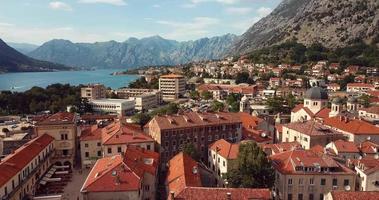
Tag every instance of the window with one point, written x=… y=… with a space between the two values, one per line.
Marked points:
x=346 y=182
x=119 y=149
x=109 y=150
x=86 y=145
x=311 y=196
x=98 y=144
x=5 y=190
x=301 y=181
x=289 y=196
x=223 y=163
x=311 y=181
x=218 y=160
x=300 y=196
x=98 y=153
x=335 y=182
x=323 y=181
x=290 y=181
x=148 y=147
x=86 y=154
x=147 y=187
x=321 y=196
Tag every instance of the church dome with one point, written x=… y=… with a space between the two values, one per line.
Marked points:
x=316 y=93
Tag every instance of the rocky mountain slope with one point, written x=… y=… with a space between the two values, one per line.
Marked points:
x=23 y=48
x=14 y=61
x=332 y=23
x=133 y=52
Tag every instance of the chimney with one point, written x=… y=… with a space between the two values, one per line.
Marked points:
x=172 y=195
x=341 y=118
x=229 y=196
x=346 y=119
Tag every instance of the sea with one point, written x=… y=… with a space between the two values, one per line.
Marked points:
x=25 y=80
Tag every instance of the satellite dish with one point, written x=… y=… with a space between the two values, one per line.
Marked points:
x=263 y=135
x=368 y=138
x=347 y=188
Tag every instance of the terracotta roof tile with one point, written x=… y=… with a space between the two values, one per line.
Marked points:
x=225 y=149
x=282 y=147
x=356 y=195
x=346 y=146
x=118 y=133
x=201 y=193
x=373 y=109
x=11 y=165
x=311 y=128
x=369 y=147
x=354 y=126
x=59 y=118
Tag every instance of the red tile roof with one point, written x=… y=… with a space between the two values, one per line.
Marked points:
x=243 y=89
x=118 y=133
x=367 y=164
x=182 y=172
x=91 y=133
x=302 y=107
x=373 y=109
x=250 y=129
x=97 y=117
x=59 y=118
x=323 y=113
x=360 y=85
x=195 y=119
x=346 y=146
x=353 y=126
x=225 y=149
x=171 y=76
x=356 y=195
x=11 y=165
x=282 y=147
x=118 y=173
x=286 y=162
x=201 y=193
x=369 y=147
x=312 y=128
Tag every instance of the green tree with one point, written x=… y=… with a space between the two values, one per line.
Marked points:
x=194 y=95
x=365 y=100
x=291 y=101
x=253 y=170
x=275 y=104
x=206 y=95
x=190 y=150
x=141 y=119
x=217 y=106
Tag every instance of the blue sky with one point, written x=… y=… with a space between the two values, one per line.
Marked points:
x=37 y=21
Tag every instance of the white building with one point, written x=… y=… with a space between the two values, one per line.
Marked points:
x=147 y=101
x=368 y=173
x=115 y=106
x=172 y=86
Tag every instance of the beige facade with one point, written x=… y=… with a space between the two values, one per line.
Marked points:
x=147 y=101
x=65 y=133
x=172 y=86
x=220 y=165
x=111 y=150
x=90 y=151
x=24 y=182
x=94 y=91
x=311 y=186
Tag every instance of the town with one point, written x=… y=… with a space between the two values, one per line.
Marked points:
x=227 y=129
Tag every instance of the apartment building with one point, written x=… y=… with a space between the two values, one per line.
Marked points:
x=131 y=175
x=93 y=91
x=359 y=87
x=304 y=174
x=21 y=170
x=370 y=114
x=172 y=86
x=367 y=170
x=344 y=149
x=147 y=101
x=310 y=134
x=120 y=107
x=172 y=132
x=114 y=139
x=62 y=126
x=222 y=157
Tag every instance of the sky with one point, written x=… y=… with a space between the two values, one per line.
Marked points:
x=38 y=21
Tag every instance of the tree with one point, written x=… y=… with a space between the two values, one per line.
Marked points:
x=244 y=77
x=194 y=95
x=233 y=102
x=217 y=106
x=141 y=119
x=275 y=104
x=253 y=170
x=365 y=100
x=206 y=95
x=190 y=150
x=291 y=101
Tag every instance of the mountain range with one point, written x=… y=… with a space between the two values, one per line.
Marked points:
x=331 y=23
x=133 y=52
x=14 y=61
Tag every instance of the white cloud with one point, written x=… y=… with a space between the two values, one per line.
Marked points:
x=156 y=6
x=238 y=10
x=198 y=27
x=58 y=5
x=263 y=11
x=4 y=24
x=111 y=2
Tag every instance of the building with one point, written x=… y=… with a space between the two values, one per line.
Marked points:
x=126 y=93
x=359 y=87
x=172 y=86
x=333 y=87
x=310 y=134
x=344 y=149
x=350 y=195
x=222 y=157
x=93 y=91
x=219 y=81
x=369 y=148
x=20 y=171
x=355 y=130
x=172 y=132
x=62 y=126
x=370 y=114
x=114 y=139
x=147 y=101
x=272 y=149
x=256 y=129
x=128 y=176
x=367 y=170
x=220 y=91
x=188 y=180
x=304 y=174
x=315 y=103
x=120 y=107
